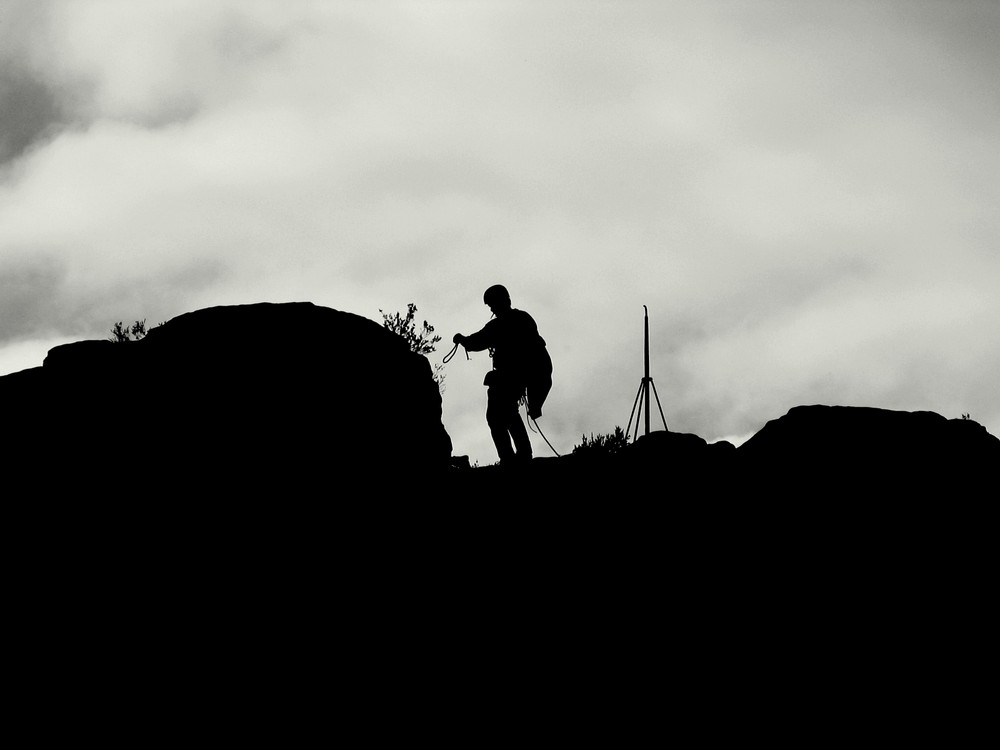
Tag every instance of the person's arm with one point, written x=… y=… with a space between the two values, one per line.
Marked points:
x=476 y=342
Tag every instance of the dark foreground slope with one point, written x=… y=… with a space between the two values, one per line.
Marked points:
x=217 y=521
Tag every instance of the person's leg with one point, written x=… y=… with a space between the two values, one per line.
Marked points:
x=498 y=419
x=522 y=443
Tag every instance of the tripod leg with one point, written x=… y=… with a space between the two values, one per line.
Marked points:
x=643 y=392
x=635 y=404
x=657 y=395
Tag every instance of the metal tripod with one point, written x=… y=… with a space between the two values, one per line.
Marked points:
x=644 y=387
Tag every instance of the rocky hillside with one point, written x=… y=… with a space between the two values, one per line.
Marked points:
x=297 y=398
x=811 y=453
x=202 y=510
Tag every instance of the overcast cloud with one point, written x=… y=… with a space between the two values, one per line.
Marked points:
x=804 y=194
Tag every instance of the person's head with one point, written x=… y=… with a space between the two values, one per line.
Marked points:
x=497 y=298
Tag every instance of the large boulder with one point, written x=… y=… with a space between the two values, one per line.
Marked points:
x=234 y=398
x=814 y=448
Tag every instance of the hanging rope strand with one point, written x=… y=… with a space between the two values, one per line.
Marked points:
x=536 y=428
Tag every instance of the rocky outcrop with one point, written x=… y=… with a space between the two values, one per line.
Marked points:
x=246 y=397
x=812 y=452
x=868 y=449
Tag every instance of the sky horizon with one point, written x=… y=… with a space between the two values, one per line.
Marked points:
x=804 y=194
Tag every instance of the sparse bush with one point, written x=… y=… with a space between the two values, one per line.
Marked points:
x=604 y=444
x=421 y=340
x=121 y=333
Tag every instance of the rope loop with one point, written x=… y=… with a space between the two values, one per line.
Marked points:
x=449 y=355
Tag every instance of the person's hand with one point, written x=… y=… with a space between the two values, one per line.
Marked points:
x=457 y=338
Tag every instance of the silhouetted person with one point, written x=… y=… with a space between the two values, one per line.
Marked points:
x=521 y=367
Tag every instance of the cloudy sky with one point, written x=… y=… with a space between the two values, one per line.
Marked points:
x=806 y=195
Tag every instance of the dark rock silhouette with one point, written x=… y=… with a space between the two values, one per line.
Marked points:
x=245 y=397
x=809 y=453
x=871 y=448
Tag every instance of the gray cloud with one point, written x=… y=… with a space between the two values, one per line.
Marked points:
x=40 y=298
x=28 y=297
x=29 y=113
x=31 y=110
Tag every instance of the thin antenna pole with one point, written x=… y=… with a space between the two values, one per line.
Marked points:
x=645 y=386
x=645 y=380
